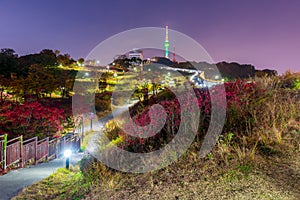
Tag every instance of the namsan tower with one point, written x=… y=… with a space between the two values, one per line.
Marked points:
x=167 y=44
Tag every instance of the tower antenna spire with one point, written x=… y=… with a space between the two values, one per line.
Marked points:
x=166 y=43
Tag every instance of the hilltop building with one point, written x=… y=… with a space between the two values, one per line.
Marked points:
x=136 y=53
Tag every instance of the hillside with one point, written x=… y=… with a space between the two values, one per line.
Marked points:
x=256 y=157
x=227 y=70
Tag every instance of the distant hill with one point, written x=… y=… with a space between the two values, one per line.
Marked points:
x=231 y=70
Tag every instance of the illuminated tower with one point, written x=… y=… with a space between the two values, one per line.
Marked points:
x=167 y=44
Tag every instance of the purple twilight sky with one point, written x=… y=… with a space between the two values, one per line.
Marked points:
x=265 y=33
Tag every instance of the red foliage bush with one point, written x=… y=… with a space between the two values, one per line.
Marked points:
x=30 y=119
x=238 y=94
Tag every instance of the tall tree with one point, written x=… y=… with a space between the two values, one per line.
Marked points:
x=8 y=62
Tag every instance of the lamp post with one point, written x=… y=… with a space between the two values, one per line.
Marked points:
x=116 y=76
x=62 y=92
x=82 y=129
x=67 y=155
x=92 y=115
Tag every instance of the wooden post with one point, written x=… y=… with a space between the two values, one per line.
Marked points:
x=35 y=156
x=47 y=149
x=22 y=152
x=4 y=152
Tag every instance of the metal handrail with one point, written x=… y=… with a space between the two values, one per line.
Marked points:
x=55 y=148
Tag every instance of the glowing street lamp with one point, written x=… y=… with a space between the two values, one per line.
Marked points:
x=116 y=76
x=67 y=155
x=62 y=91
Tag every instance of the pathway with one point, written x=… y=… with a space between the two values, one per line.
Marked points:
x=14 y=181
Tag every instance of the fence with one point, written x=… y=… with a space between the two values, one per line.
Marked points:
x=33 y=151
x=13 y=151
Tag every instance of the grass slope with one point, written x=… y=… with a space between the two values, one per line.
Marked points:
x=260 y=163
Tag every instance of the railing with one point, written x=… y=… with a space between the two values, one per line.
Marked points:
x=32 y=151
x=53 y=152
x=42 y=149
x=13 y=151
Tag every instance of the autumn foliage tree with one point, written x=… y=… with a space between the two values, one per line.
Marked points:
x=31 y=119
x=25 y=84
